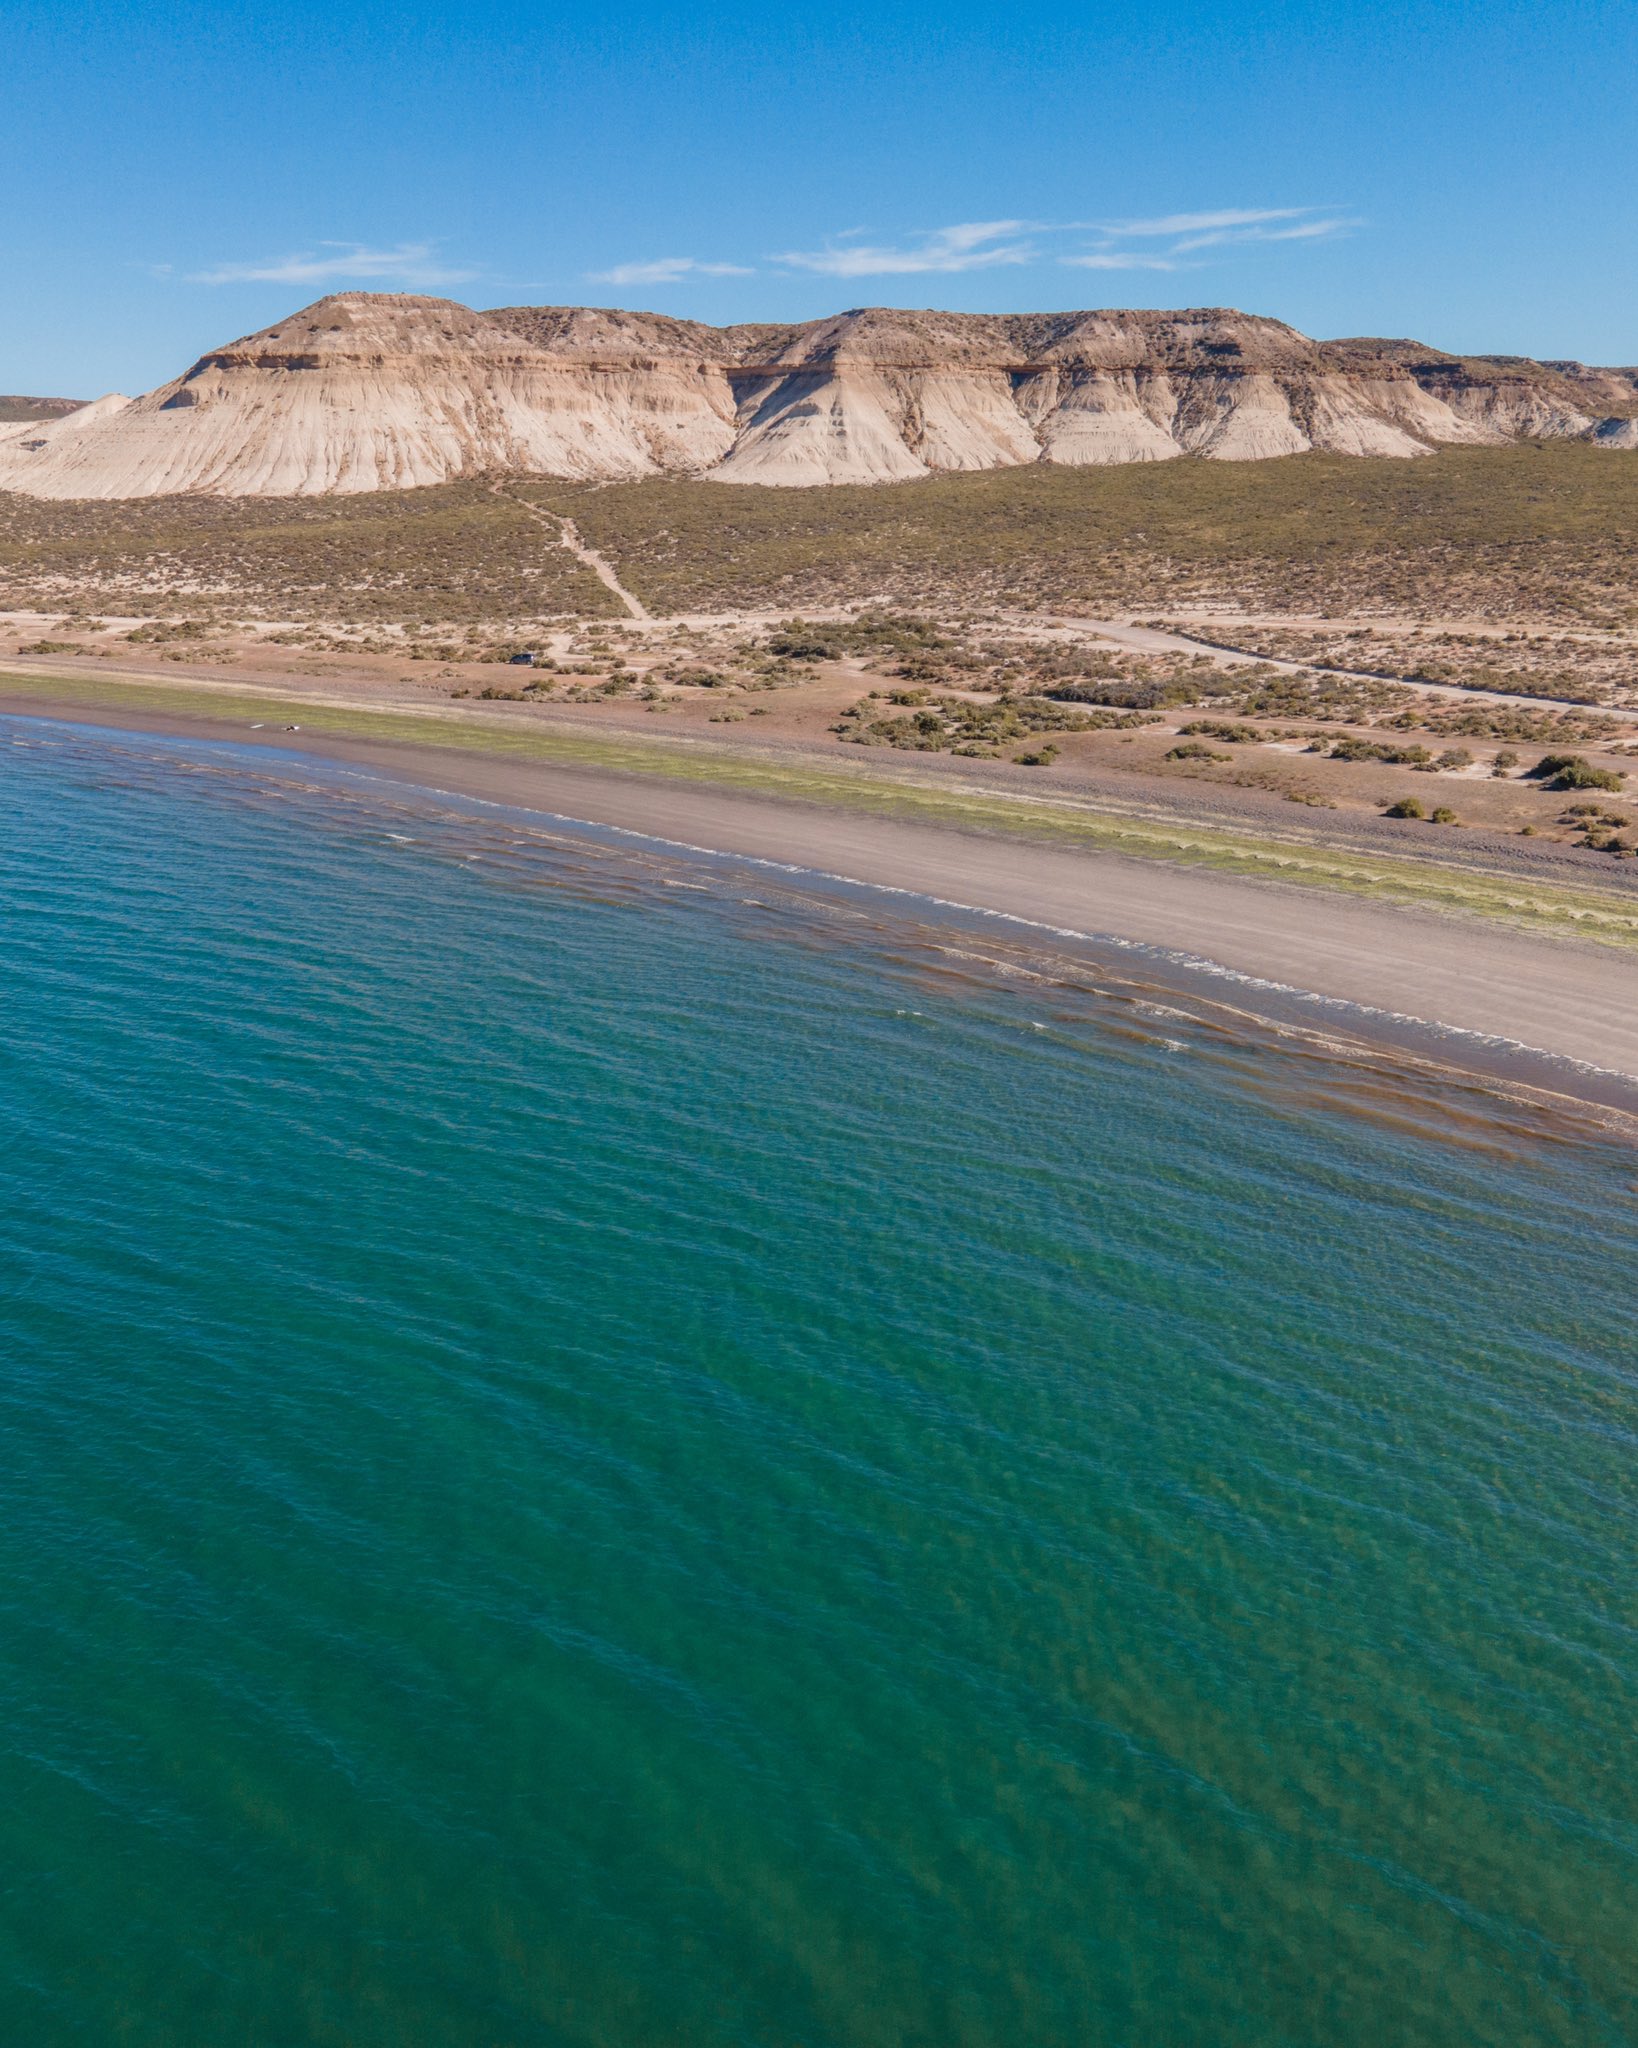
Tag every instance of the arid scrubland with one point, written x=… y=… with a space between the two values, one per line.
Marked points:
x=454 y=555
x=1385 y=641
x=1546 y=533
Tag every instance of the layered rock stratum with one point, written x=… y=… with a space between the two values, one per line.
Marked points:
x=373 y=391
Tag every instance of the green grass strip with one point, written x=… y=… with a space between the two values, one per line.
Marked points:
x=1607 y=916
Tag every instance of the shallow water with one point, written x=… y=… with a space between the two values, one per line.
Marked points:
x=599 y=1450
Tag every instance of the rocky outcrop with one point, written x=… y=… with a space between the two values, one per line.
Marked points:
x=1607 y=391
x=370 y=391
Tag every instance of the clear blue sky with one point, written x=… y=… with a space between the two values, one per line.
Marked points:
x=178 y=174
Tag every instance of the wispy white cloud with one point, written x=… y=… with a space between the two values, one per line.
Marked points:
x=1185 y=234
x=996 y=244
x=1196 y=223
x=1118 y=259
x=969 y=245
x=666 y=270
x=1301 y=231
x=335 y=262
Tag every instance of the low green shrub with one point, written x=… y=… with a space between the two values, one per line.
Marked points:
x=943 y=724
x=1350 y=749
x=1574 y=771
x=1221 y=729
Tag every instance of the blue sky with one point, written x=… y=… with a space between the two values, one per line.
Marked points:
x=176 y=175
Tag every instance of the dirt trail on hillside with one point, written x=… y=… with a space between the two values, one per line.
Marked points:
x=569 y=536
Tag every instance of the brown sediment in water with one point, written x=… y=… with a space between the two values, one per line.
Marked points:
x=1389 y=1062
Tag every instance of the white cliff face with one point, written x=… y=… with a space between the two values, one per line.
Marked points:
x=367 y=392
x=1099 y=416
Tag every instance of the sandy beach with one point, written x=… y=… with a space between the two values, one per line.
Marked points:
x=1566 y=998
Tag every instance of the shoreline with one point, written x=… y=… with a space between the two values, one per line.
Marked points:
x=1523 y=1000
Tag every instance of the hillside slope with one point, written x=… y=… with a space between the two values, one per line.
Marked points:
x=14 y=407
x=374 y=391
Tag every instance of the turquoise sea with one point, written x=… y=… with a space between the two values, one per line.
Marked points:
x=607 y=1448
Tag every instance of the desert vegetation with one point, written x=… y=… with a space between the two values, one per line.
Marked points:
x=1540 y=541
x=1485 y=619
x=925 y=721
x=457 y=554
x=1544 y=531
x=1579 y=667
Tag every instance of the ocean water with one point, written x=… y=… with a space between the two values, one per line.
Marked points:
x=601 y=1449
